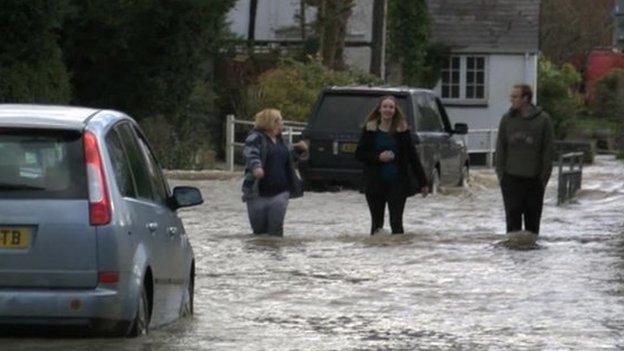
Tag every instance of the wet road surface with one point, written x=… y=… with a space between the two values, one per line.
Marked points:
x=445 y=285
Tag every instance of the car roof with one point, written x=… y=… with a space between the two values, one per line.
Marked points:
x=377 y=89
x=45 y=116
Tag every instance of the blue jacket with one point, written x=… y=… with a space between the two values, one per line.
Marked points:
x=255 y=153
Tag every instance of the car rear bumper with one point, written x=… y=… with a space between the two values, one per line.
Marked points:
x=99 y=307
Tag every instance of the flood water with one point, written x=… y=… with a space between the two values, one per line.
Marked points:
x=446 y=284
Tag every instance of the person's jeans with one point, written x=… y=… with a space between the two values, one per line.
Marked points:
x=393 y=195
x=266 y=214
x=522 y=197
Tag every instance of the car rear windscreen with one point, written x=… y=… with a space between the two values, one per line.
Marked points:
x=347 y=112
x=41 y=164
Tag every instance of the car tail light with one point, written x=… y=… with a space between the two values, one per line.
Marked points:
x=108 y=277
x=99 y=204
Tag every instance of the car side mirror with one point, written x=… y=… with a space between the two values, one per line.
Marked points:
x=185 y=196
x=460 y=128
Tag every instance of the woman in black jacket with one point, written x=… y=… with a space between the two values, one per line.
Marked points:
x=392 y=169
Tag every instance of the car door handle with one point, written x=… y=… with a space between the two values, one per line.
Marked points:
x=152 y=226
x=172 y=231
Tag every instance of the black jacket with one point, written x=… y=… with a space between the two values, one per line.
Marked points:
x=412 y=175
x=255 y=152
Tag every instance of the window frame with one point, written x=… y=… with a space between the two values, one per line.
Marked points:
x=462 y=99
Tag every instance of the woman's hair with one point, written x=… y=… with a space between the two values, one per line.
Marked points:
x=399 y=123
x=266 y=119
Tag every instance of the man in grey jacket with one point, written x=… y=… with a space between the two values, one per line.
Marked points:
x=524 y=156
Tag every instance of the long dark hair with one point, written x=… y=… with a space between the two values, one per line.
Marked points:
x=399 y=123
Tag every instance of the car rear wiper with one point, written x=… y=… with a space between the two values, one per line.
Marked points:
x=7 y=186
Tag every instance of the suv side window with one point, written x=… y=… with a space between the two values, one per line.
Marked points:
x=157 y=179
x=137 y=162
x=121 y=166
x=430 y=119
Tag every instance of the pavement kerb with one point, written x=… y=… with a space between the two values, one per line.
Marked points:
x=212 y=174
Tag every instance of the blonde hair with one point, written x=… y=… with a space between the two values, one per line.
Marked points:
x=266 y=119
x=399 y=123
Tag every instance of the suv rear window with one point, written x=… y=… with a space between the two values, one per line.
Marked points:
x=42 y=164
x=347 y=112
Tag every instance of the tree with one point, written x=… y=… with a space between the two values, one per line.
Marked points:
x=408 y=24
x=570 y=28
x=331 y=29
x=144 y=57
x=31 y=64
x=378 y=44
x=555 y=94
x=152 y=59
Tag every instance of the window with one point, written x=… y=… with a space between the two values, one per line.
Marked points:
x=347 y=112
x=464 y=79
x=137 y=162
x=450 y=77
x=42 y=164
x=156 y=176
x=121 y=167
x=429 y=119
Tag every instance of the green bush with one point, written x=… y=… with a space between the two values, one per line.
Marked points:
x=294 y=86
x=609 y=95
x=31 y=64
x=555 y=94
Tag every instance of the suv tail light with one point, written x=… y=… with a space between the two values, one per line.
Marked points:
x=99 y=204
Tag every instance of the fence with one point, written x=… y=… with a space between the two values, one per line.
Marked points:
x=569 y=179
x=474 y=144
x=291 y=129
x=484 y=145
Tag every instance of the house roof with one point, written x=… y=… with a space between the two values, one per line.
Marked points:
x=486 y=26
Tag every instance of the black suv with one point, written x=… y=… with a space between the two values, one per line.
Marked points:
x=336 y=122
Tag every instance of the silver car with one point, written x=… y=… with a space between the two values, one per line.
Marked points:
x=89 y=234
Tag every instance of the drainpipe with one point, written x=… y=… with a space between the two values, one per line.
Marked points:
x=530 y=73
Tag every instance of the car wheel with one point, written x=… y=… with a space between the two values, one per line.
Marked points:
x=464 y=181
x=435 y=181
x=186 y=310
x=140 y=325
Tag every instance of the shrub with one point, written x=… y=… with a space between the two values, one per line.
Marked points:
x=294 y=86
x=184 y=141
x=555 y=94
x=609 y=101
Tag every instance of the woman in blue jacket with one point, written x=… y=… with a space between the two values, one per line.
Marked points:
x=270 y=177
x=392 y=169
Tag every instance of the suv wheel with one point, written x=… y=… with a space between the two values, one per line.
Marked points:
x=435 y=181
x=464 y=181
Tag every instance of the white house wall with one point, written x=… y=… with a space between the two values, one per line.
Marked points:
x=238 y=18
x=504 y=72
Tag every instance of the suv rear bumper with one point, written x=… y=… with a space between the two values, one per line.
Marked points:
x=99 y=308
x=331 y=175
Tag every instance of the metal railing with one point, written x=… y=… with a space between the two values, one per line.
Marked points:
x=292 y=129
x=570 y=179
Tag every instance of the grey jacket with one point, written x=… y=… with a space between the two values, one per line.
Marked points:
x=255 y=153
x=525 y=145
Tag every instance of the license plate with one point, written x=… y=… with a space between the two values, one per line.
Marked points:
x=14 y=237
x=348 y=147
